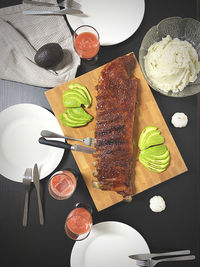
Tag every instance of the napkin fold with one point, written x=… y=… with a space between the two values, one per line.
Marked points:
x=20 y=38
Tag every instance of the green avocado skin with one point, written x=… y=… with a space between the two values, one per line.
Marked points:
x=73 y=119
x=79 y=113
x=156 y=152
x=144 y=133
x=49 y=55
x=72 y=115
x=72 y=98
x=155 y=164
x=71 y=102
x=150 y=136
x=84 y=88
x=153 y=155
x=70 y=123
x=155 y=161
x=82 y=92
x=152 y=168
x=70 y=119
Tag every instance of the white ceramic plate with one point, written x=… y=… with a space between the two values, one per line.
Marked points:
x=109 y=244
x=115 y=20
x=20 y=127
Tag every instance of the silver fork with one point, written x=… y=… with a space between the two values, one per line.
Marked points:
x=61 y=12
x=64 y=3
x=27 y=183
x=89 y=141
x=152 y=263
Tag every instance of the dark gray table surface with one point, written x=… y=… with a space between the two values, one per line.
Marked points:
x=175 y=228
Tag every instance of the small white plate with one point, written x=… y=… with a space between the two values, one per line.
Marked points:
x=20 y=127
x=115 y=20
x=109 y=244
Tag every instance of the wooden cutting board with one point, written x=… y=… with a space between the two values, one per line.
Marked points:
x=147 y=113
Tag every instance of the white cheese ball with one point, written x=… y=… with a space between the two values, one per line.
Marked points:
x=157 y=204
x=179 y=120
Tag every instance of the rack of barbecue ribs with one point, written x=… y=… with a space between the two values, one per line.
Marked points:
x=116 y=100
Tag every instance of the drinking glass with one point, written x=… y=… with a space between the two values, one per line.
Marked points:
x=62 y=184
x=79 y=222
x=86 y=42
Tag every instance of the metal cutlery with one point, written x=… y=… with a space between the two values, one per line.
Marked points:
x=46 y=4
x=65 y=11
x=63 y=145
x=89 y=141
x=27 y=183
x=152 y=263
x=36 y=180
x=64 y=3
x=147 y=256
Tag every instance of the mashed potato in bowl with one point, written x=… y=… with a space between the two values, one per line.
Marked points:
x=171 y=64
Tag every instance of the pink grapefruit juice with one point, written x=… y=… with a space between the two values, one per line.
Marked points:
x=78 y=223
x=86 y=45
x=62 y=185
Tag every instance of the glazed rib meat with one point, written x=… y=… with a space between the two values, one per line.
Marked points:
x=116 y=99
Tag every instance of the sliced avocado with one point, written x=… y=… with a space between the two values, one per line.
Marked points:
x=74 y=124
x=152 y=168
x=72 y=97
x=71 y=120
x=156 y=152
x=66 y=121
x=145 y=131
x=153 y=154
x=154 y=165
x=74 y=93
x=79 y=85
x=156 y=161
x=75 y=119
x=146 y=136
x=71 y=102
x=79 y=112
x=152 y=138
x=82 y=92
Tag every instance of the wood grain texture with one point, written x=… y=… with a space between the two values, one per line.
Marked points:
x=147 y=113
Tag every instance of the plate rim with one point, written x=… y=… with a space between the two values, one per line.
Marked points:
x=118 y=223
x=45 y=111
x=70 y=18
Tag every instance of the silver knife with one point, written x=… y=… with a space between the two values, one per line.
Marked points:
x=63 y=145
x=37 y=3
x=36 y=181
x=152 y=255
x=65 y=11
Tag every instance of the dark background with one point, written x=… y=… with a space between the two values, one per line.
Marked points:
x=175 y=228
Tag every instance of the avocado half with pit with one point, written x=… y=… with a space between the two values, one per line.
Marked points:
x=153 y=155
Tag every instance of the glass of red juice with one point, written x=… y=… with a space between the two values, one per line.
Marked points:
x=79 y=222
x=86 y=42
x=62 y=184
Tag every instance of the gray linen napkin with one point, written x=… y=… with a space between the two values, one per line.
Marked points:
x=20 y=38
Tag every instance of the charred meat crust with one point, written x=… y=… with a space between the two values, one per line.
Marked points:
x=116 y=99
